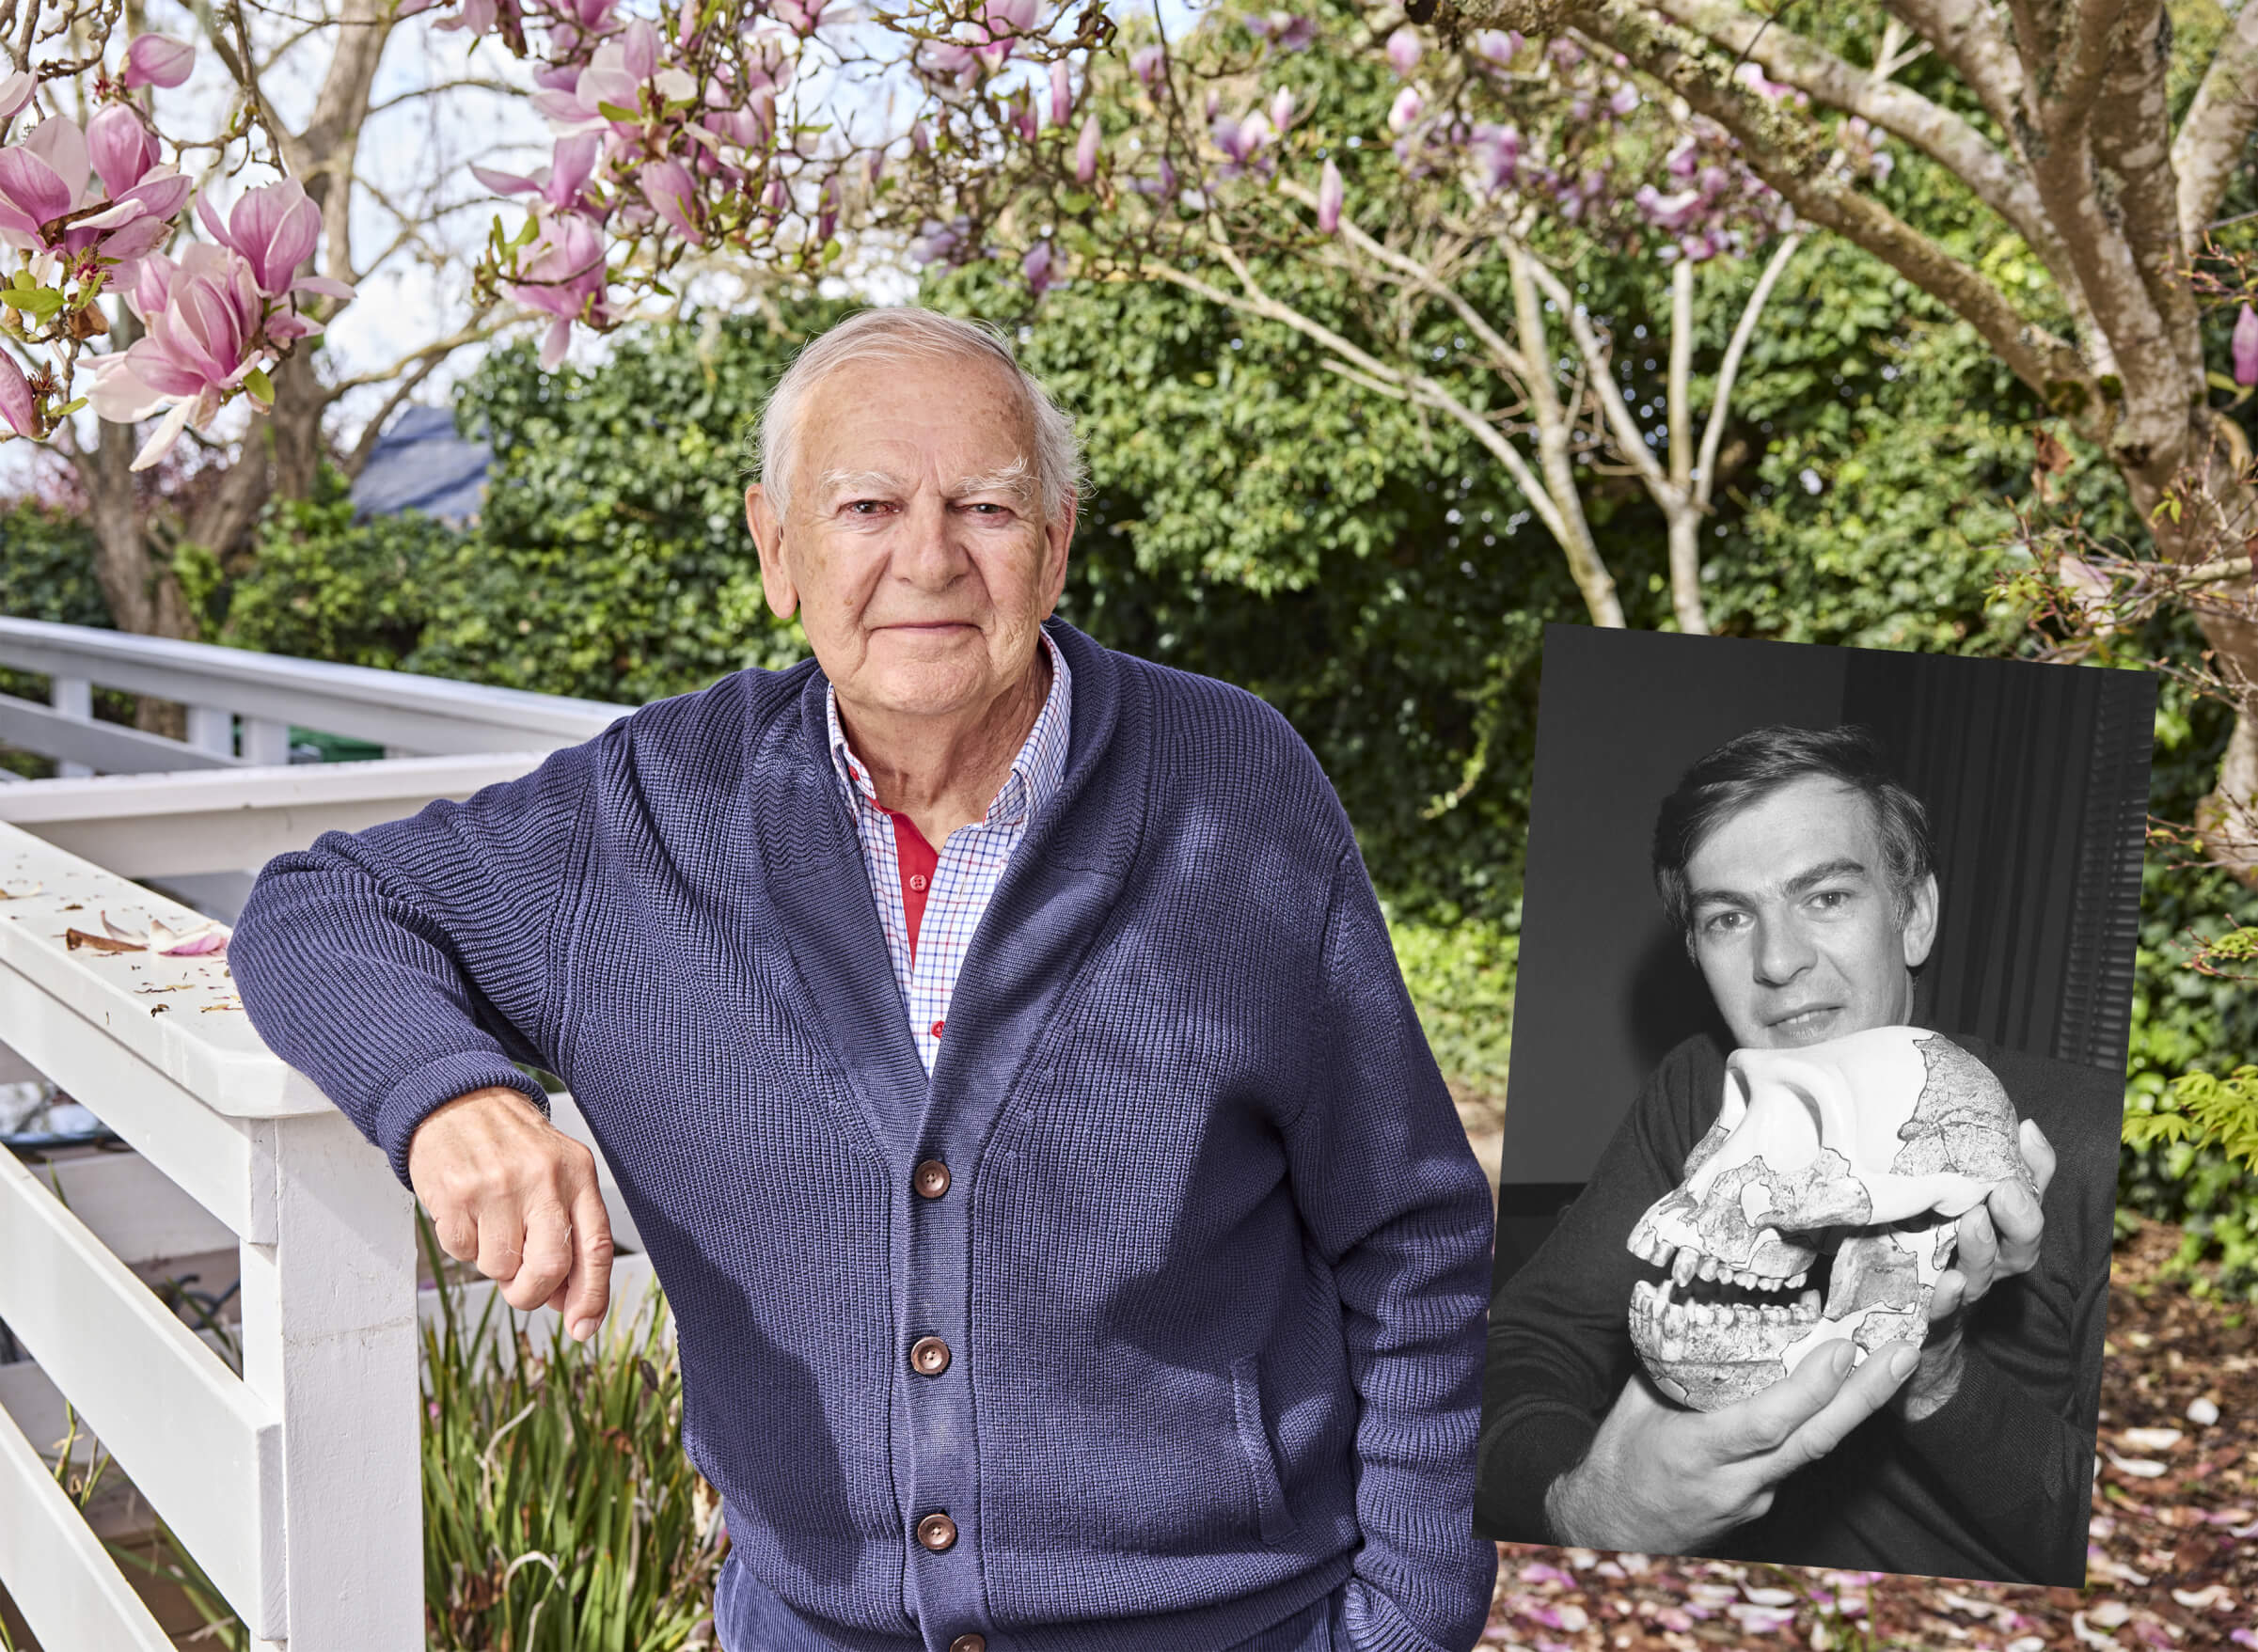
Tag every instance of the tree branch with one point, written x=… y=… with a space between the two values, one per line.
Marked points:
x=2216 y=127
x=1793 y=159
x=1991 y=177
x=2132 y=117
x=420 y=362
x=1705 y=469
x=1969 y=39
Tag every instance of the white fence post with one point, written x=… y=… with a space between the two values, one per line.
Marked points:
x=265 y=742
x=211 y=728
x=74 y=698
x=330 y=1342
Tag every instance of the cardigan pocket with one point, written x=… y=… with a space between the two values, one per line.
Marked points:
x=1255 y=1456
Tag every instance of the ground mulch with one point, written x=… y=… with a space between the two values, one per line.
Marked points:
x=2173 y=1563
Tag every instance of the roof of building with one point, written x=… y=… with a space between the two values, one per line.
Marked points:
x=420 y=464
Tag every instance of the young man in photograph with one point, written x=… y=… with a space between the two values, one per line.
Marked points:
x=1800 y=874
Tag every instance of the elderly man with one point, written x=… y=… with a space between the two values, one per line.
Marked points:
x=1800 y=874
x=997 y=1042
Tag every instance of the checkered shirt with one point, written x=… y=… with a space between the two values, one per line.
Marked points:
x=971 y=864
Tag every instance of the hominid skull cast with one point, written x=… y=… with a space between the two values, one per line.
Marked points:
x=1867 y=1148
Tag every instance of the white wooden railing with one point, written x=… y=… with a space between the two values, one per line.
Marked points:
x=406 y=714
x=293 y=1485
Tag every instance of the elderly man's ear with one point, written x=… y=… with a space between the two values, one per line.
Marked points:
x=769 y=538
x=1919 y=932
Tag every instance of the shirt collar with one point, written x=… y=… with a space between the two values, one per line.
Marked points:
x=1034 y=774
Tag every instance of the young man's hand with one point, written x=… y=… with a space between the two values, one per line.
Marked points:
x=1659 y=1480
x=510 y=1191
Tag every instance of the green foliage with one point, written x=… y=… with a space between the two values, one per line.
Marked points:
x=612 y=561
x=47 y=566
x=327 y=588
x=1461 y=979
x=559 y=1513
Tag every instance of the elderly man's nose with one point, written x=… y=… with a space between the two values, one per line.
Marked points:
x=931 y=554
x=1782 y=952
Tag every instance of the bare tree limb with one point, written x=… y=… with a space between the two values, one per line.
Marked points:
x=2216 y=127
x=1969 y=38
x=1705 y=469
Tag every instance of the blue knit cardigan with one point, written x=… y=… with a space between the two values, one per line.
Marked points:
x=1214 y=1254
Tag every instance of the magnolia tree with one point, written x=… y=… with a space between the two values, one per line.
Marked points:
x=190 y=211
x=2064 y=122
x=1443 y=182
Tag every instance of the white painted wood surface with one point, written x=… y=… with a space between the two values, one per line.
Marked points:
x=295 y=1485
x=236 y=819
x=204 y=1448
x=73 y=696
x=67 y=1587
x=138 y=1213
x=108 y=747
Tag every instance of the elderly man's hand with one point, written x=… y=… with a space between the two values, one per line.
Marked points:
x=510 y=1191
x=1659 y=1480
x=1997 y=1240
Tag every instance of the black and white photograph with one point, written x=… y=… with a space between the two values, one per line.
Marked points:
x=1811 y=1121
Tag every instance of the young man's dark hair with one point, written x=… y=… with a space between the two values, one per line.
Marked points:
x=1748 y=769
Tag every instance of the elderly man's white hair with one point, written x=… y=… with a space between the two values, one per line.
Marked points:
x=901 y=335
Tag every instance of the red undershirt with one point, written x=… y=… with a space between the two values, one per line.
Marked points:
x=917 y=860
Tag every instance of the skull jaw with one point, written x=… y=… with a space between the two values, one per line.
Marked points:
x=1878 y=1295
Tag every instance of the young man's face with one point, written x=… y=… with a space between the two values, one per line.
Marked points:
x=1795 y=926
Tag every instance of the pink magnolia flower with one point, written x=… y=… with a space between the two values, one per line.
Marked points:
x=1404 y=50
x=1405 y=112
x=16 y=90
x=122 y=146
x=1498 y=47
x=559 y=183
x=1061 y=93
x=1330 y=192
x=803 y=17
x=667 y=185
x=562 y=276
x=1241 y=139
x=157 y=60
x=1282 y=109
x=203 y=339
x=476 y=16
x=274 y=228
x=17 y=403
x=940 y=244
x=1496 y=155
x=2246 y=347
x=1023 y=117
x=1625 y=101
x=1285 y=30
x=1040 y=267
x=1147 y=62
x=639 y=49
x=1085 y=149
x=41 y=179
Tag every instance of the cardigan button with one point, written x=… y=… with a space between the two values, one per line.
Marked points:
x=936 y=1532
x=969 y=1643
x=931 y=1179
x=928 y=1356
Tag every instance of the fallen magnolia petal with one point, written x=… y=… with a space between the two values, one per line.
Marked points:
x=2202 y=1412
x=2150 y=1438
x=76 y=938
x=2139 y=1467
x=2108 y=1614
x=2218 y=1598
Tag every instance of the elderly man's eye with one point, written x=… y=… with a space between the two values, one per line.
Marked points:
x=1831 y=900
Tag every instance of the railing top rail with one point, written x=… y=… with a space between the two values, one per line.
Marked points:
x=182 y=1015
x=315 y=693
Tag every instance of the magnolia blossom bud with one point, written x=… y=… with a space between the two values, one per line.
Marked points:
x=1062 y=93
x=1085 y=149
x=2246 y=347
x=1145 y=63
x=1498 y=47
x=1404 y=48
x=1406 y=110
x=1282 y=109
x=1040 y=267
x=1329 y=198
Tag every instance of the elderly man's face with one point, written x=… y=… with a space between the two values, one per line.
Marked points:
x=1795 y=926
x=915 y=553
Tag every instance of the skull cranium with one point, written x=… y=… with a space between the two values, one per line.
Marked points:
x=1866 y=1148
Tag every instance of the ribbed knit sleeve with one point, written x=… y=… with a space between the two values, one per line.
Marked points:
x=406 y=964
x=1393 y=1197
